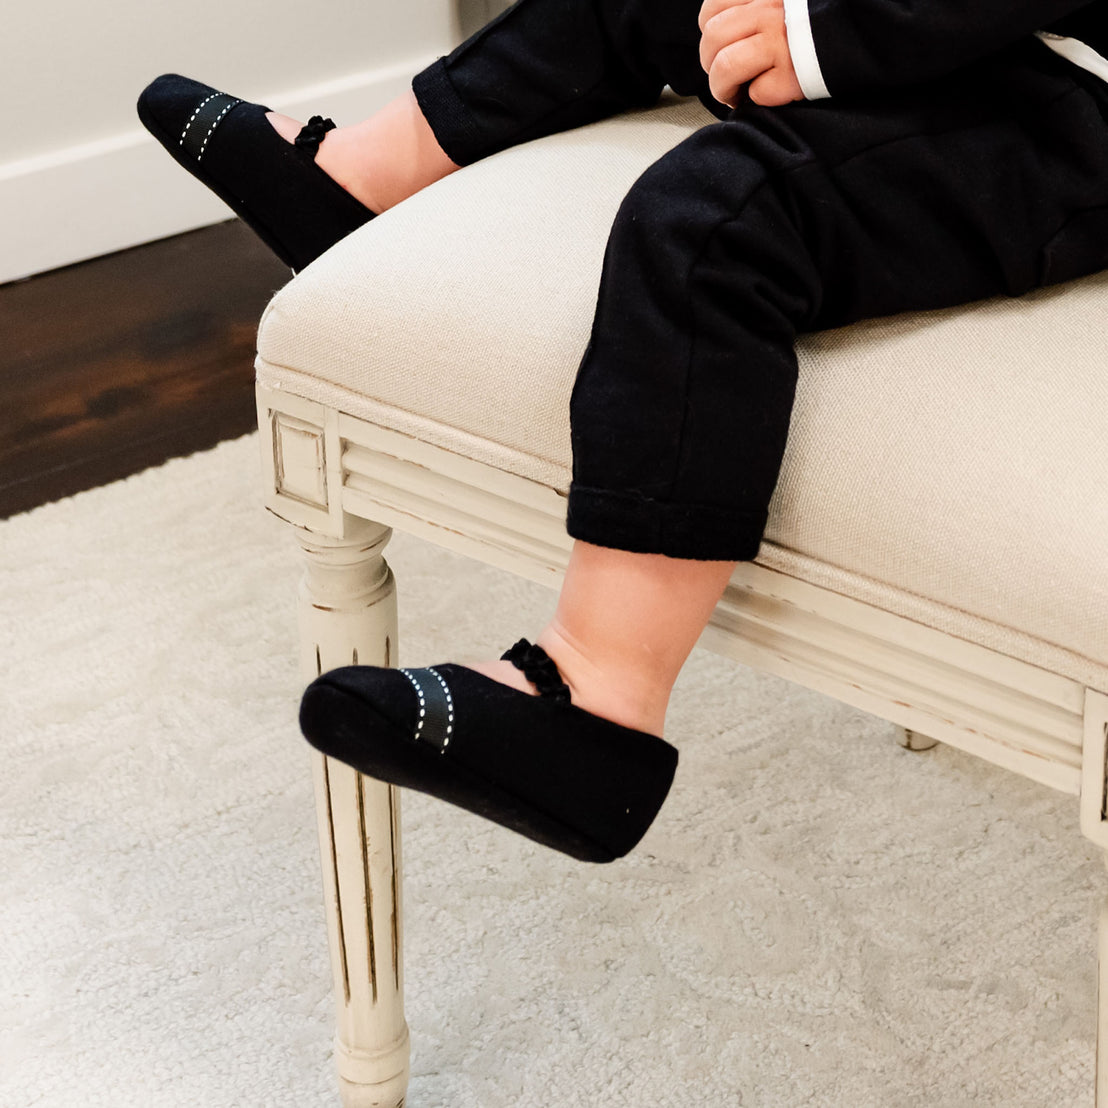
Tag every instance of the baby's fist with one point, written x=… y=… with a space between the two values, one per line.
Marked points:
x=744 y=42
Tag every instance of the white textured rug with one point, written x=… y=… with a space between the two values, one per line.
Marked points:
x=817 y=918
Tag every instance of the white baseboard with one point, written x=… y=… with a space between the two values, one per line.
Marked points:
x=95 y=198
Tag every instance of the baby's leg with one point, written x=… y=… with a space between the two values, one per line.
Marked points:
x=543 y=66
x=803 y=217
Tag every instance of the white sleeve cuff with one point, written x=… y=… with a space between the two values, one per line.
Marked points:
x=1077 y=52
x=802 y=47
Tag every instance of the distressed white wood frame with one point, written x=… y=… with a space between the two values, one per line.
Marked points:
x=329 y=473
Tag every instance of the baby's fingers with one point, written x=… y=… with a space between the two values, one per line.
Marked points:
x=711 y=8
x=729 y=26
x=734 y=66
x=775 y=87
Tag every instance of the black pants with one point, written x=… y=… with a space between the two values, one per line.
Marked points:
x=767 y=223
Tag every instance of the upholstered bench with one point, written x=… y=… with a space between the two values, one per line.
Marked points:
x=937 y=551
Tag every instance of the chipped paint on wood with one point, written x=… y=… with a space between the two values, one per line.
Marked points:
x=371 y=945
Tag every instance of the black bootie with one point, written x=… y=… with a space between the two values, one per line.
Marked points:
x=536 y=764
x=274 y=186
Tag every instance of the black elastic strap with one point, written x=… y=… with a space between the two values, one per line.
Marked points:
x=539 y=668
x=311 y=134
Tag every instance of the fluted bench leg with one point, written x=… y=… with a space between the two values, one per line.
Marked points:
x=348 y=615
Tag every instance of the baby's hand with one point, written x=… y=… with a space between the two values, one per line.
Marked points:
x=744 y=41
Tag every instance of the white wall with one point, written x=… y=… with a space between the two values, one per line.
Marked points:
x=78 y=174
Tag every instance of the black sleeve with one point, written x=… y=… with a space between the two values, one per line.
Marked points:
x=863 y=43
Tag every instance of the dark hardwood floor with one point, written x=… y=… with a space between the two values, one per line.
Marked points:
x=121 y=362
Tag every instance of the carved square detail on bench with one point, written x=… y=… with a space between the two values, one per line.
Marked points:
x=299 y=460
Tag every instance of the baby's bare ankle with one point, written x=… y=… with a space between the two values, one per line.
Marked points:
x=339 y=156
x=609 y=683
x=612 y=696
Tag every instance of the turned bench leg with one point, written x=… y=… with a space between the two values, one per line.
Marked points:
x=348 y=615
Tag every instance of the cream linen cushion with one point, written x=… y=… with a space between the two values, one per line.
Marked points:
x=947 y=466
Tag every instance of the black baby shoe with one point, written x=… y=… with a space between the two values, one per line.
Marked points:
x=273 y=185
x=536 y=764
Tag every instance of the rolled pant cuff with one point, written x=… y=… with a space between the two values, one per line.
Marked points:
x=636 y=523
x=450 y=120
